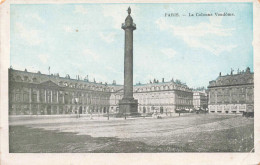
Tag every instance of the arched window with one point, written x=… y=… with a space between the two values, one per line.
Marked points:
x=34 y=79
x=250 y=80
x=26 y=78
x=234 y=81
x=18 y=78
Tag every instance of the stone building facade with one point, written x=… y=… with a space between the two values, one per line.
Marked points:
x=200 y=99
x=232 y=93
x=158 y=97
x=41 y=94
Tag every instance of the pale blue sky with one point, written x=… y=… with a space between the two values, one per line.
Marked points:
x=87 y=39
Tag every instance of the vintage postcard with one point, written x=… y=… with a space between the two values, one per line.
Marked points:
x=129 y=82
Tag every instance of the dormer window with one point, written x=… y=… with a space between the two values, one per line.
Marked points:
x=26 y=78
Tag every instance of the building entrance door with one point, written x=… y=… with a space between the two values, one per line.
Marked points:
x=48 y=110
x=80 y=110
x=144 y=110
x=161 y=109
x=42 y=110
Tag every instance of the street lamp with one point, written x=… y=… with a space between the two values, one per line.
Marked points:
x=108 y=114
x=90 y=108
x=76 y=101
x=125 y=113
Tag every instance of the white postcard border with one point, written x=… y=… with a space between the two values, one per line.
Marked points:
x=119 y=158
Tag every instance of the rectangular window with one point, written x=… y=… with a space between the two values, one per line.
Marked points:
x=34 y=97
x=60 y=98
x=54 y=97
x=12 y=98
x=26 y=97
x=42 y=99
x=17 y=97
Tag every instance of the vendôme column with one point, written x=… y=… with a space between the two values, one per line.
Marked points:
x=128 y=105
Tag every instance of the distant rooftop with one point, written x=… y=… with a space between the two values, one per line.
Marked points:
x=79 y=78
x=241 y=77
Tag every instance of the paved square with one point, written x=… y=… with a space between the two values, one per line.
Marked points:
x=190 y=133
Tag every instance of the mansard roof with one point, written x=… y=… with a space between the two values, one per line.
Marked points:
x=161 y=86
x=242 y=78
x=43 y=79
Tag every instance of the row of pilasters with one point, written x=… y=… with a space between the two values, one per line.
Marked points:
x=48 y=97
x=52 y=109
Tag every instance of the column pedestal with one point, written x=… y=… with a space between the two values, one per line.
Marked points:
x=128 y=107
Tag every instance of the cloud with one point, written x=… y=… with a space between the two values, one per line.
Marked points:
x=78 y=65
x=68 y=29
x=107 y=37
x=31 y=36
x=91 y=55
x=36 y=17
x=99 y=78
x=194 y=35
x=80 y=9
x=149 y=78
x=162 y=24
x=43 y=58
x=169 y=52
x=217 y=49
x=22 y=68
x=118 y=13
x=113 y=70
